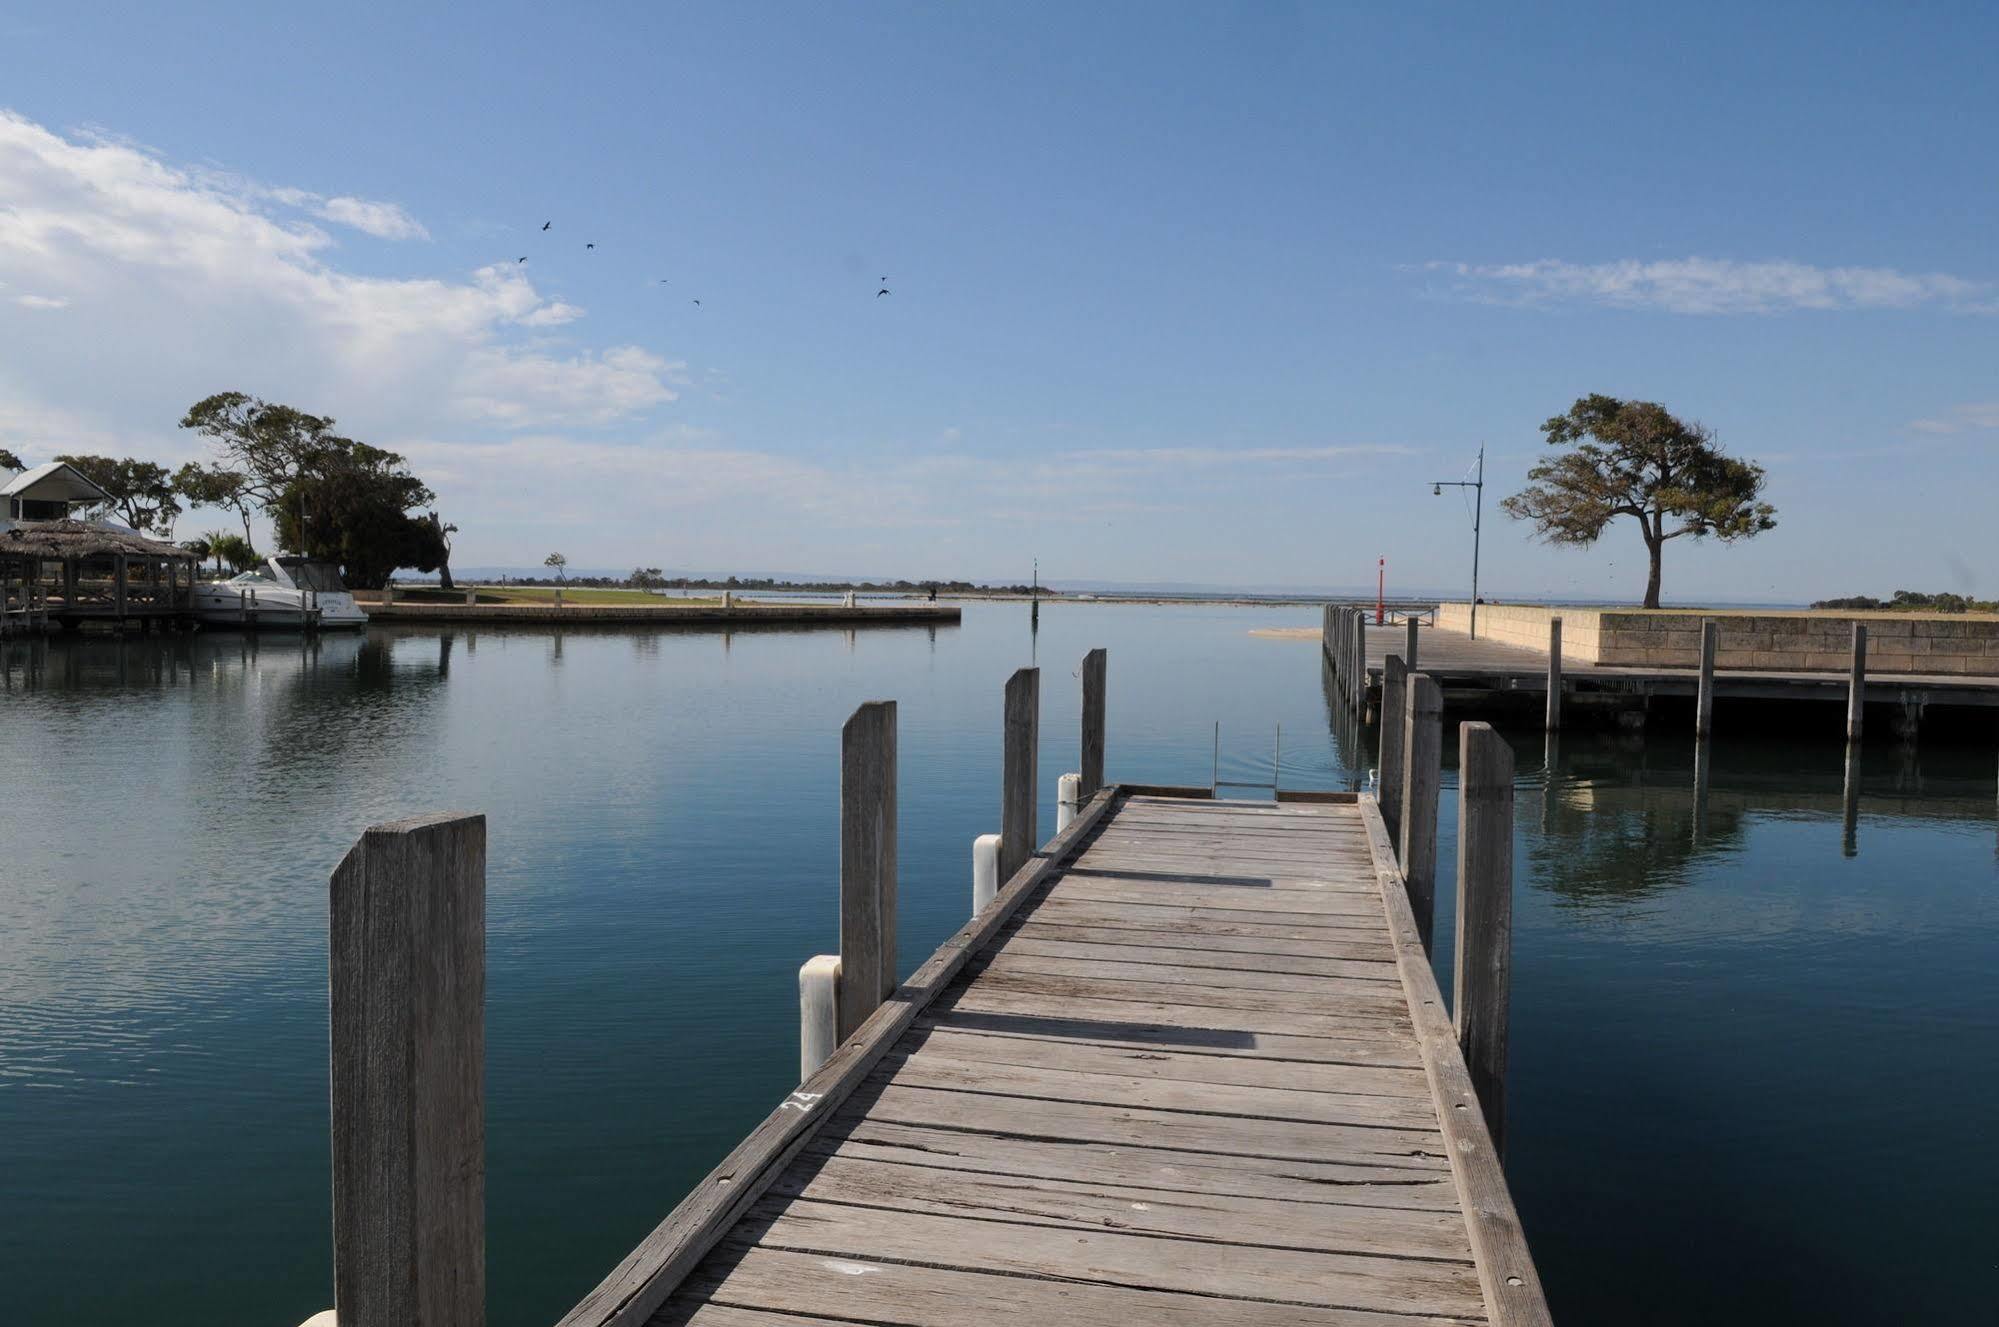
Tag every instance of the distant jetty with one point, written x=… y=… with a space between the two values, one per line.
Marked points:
x=727 y=611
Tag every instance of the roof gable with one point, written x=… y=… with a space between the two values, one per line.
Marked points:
x=57 y=481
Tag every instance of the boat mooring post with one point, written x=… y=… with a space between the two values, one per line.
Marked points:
x=1422 y=773
x=1856 y=685
x=1554 y=723
x=1094 y=669
x=406 y=969
x=1704 y=698
x=867 y=862
x=1394 y=686
x=1021 y=734
x=1066 y=800
x=1409 y=646
x=1484 y=953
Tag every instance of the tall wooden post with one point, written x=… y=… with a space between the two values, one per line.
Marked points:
x=118 y=571
x=867 y=862
x=1422 y=773
x=1409 y=646
x=1393 y=687
x=1856 y=685
x=407 y=970
x=1359 y=660
x=1018 y=798
x=1554 y=723
x=1484 y=952
x=1094 y=668
x=1704 y=699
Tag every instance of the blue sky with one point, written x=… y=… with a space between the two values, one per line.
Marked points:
x=1179 y=293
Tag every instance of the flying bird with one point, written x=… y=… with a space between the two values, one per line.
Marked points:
x=520 y=260
x=589 y=246
x=697 y=304
x=883 y=291
x=546 y=224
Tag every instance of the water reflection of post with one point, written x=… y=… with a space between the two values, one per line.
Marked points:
x=1551 y=771
x=1849 y=814
x=1034 y=632
x=1702 y=751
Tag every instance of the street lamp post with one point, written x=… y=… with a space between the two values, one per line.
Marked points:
x=1477 y=485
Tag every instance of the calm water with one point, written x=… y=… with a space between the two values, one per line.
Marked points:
x=1752 y=1074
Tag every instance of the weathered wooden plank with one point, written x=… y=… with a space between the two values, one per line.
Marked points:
x=1704 y=694
x=1021 y=730
x=1308 y=987
x=1053 y=942
x=1240 y=1071
x=1394 y=680
x=1110 y=1023
x=1095 y=664
x=1326 y=903
x=864 y=1291
x=1856 y=684
x=643 y=1280
x=705 y=1314
x=939 y=1070
x=867 y=862
x=406 y=968
x=1351 y=1006
x=1219 y=948
x=1092 y=1204
x=1140 y=1262
x=1506 y=1272
x=1083 y=912
x=1484 y=953
x=1304 y=1036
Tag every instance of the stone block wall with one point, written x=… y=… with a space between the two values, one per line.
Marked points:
x=1798 y=641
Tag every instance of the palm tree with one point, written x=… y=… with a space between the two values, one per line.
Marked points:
x=214 y=541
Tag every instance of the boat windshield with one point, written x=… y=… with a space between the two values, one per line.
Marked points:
x=253 y=578
x=321 y=576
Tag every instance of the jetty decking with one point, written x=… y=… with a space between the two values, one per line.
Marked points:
x=1488 y=676
x=1190 y=1067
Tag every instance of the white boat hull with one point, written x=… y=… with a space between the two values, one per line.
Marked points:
x=274 y=608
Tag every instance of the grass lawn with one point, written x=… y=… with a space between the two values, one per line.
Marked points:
x=545 y=594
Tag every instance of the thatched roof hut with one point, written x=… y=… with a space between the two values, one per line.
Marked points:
x=59 y=540
x=72 y=571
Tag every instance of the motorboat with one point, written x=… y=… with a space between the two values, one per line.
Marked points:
x=287 y=593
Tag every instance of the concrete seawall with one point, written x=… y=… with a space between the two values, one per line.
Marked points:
x=1803 y=641
x=667 y=615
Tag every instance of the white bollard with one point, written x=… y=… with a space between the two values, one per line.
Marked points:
x=985 y=871
x=1068 y=790
x=728 y=600
x=849 y=601
x=818 y=1013
x=471 y=597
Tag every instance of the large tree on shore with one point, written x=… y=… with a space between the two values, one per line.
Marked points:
x=1634 y=458
x=9 y=461
x=140 y=491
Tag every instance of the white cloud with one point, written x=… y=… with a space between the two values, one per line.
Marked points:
x=1961 y=419
x=179 y=282
x=1716 y=286
x=386 y=221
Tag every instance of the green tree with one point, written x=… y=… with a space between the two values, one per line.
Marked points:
x=1634 y=458
x=140 y=491
x=216 y=486
x=275 y=448
x=352 y=506
x=557 y=561
x=9 y=461
x=646 y=578
x=234 y=549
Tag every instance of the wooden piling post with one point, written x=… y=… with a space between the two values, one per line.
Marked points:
x=1094 y=669
x=1422 y=773
x=1018 y=798
x=407 y=973
x=1394 y=685
x=1359 y=660
x=1554 y=723
x=1409 y=647
x=867 y=862
x=1856 y=686
x=1484 y=951
x=1704 y=699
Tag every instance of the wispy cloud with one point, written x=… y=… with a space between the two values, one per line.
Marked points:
x=1713 y=286
x=41 y=301
x=1972 y=417
x=385 y=221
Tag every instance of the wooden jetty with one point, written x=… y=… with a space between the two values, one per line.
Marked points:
x=1488 y=677
x=1189 y=1064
